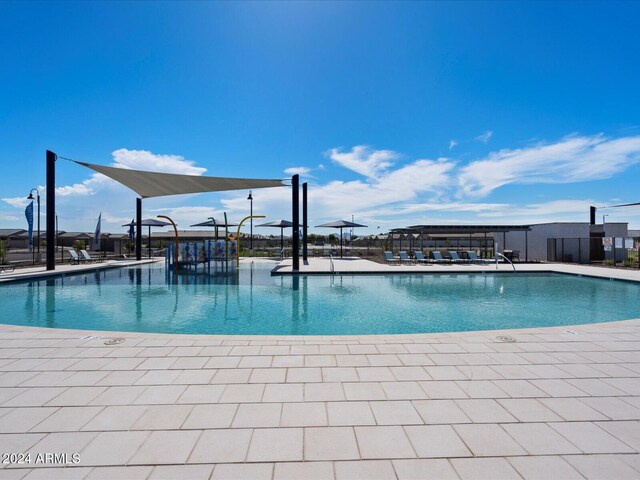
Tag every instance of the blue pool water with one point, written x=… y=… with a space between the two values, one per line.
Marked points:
x=146 y=299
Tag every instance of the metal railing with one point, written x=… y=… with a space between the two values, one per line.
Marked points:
x=507 y=259
x=332 y=267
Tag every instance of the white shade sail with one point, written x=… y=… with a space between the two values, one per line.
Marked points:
x=155 y=184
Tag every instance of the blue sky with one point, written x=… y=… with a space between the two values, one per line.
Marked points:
x=396 y=113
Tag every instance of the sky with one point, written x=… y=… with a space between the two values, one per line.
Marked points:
x=395 y=114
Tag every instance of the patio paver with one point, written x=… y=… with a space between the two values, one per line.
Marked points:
x=451 y=405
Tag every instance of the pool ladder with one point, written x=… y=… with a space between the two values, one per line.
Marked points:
x=507 y=259
x=331 y=265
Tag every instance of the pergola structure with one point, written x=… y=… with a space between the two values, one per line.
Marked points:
x=459 y=232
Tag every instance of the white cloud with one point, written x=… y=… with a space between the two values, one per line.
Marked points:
x=452 y=144
x=573 y=159
x=552 y=209
x=145 y=160
x=187 y=216
x=75 y=189
x=361 y=159
x=485 y=137
x=343 y=199
x=17 y=202
x=302 y=171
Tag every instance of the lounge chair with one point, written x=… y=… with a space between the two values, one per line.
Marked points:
x=73 y=256
x=7 y=269
x=420 y=258
x=455 y=257
x=88 y=258
x=404 y=258
x=474 y=258
x=390 y=259
x=437 y=257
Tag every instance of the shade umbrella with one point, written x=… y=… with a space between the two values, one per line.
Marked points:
x=340 y=224
x=216 y=224
x=281 y=224
x=147 y=222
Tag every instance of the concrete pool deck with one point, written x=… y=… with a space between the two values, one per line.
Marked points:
x=357 y=265
x=561 y=402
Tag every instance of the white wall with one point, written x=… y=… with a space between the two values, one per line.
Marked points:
x=537 y=238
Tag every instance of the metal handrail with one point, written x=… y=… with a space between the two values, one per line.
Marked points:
x=507 y=259
x=331 y=265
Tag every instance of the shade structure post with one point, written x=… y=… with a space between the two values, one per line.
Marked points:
x=282 y=243
x=51 y=209
x=295 y=213
x=138 y=228
x=149 y=241
x=340 y=242
x=304 y=221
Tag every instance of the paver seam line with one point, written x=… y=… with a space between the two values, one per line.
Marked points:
x=186 y=462
x=246 y=455
x=559 y=456
x=605 y=432
x=353 y=431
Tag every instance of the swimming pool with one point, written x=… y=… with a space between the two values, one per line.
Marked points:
x=147 y=299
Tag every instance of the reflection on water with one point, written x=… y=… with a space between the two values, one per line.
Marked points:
x=251 y=301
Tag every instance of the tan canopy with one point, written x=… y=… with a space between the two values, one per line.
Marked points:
x=154 y=184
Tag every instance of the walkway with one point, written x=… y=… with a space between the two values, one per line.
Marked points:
x=358 y=265
x=554 y=403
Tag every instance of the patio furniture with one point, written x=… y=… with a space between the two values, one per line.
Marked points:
x=420 y=258
x=455 y=257
x=73 y=256
x=88 y=258
x=473 y=258
x=7 y=269
x=390 y=259
x=404 y=258
x=437 y=257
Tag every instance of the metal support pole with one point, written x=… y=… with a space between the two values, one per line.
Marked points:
x=304 y=221
x=51 y=209
x=250 y=198
x=579 y=250
x=484 y=253
x=295 y=212
x=39 y=260
x=526 y=245
x=138 y=229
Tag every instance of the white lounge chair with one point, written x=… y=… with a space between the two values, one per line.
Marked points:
x=88 y=258
x=73 y=256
